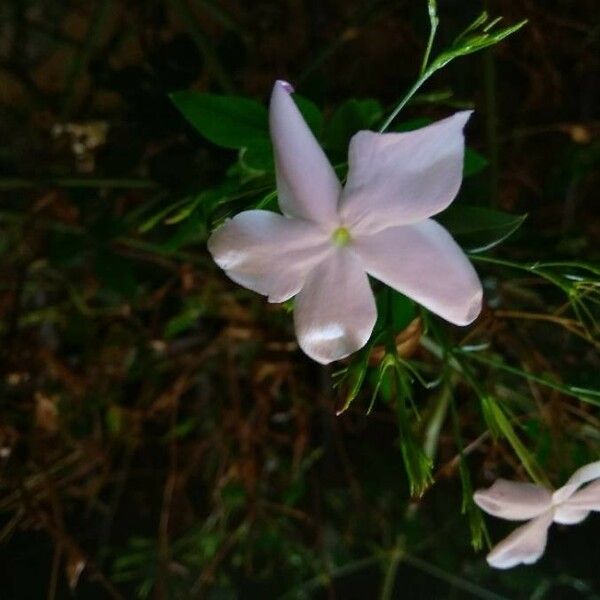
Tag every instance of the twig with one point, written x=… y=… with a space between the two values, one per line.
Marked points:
x=53 y=584
x=396 y=556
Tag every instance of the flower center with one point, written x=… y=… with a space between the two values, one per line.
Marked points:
x=341 y=237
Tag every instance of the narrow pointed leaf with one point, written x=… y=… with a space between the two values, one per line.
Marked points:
x=479 y=229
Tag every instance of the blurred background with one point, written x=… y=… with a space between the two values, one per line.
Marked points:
x=161 y=435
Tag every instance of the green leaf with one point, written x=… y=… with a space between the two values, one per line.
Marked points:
x=479 y=229
x=151 y=222
x=416 y=462
x=351 y=378
x=468 y=506
x=352 y=116
x=268 y=201
x=227 y=121
x=402 y=309
x=394 y=310
x=259 y=156
x=181 y=430
x=114 y=419
x=500 y=426
x=474 y=39
x=192 y=230
x=474 y=162
x=186 y=319
x=311 y=113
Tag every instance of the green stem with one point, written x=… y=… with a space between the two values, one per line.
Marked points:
x=320 y=581
x=584 y=394
x=413 y=90
x=424 y=73
x=387 y=589
x=434 y=427
x=433 y=25
x=534 y=268
x=390 y=339
x=452 y=580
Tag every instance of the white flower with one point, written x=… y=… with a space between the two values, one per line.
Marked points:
x=328 y=238
x=518 y=501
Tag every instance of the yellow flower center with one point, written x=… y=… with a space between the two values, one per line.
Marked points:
x=341 y=236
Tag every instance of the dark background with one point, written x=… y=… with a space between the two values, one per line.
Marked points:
x=158 y=426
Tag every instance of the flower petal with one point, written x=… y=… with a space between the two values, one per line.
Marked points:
x=576 y=508
x=307 y=185
x=401 y=178
x=514 y=500
x=526 y=544
x=583 y=475
x=586 y=499
x=566 y=515
x=268 y=253
x=423 y=262
x=335 y=311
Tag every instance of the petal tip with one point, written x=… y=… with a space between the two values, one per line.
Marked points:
x=479 y=497
x=486 y=501
x=463 y=116
x=495 y=563
x=472 y=310
x=286 y=86
x=212 y=243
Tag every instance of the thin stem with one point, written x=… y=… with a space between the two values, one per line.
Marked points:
x=434 y=427
x=424 y=73
x=584 y=394
x=433 y=25
x=390 y=339
x=387 y=589
x=322 y=580
x=413 y=90
x=452 y=580
x=533 y=268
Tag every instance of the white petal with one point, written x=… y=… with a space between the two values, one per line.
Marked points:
x=583 y=475
x=307 y=185
x=514 y=500
x=577 y=507
x=268 y=253
x=423 y=262
x=335 y=311
x=586 y=499
x=402 y=178
x=526 y=544
x=567 y=515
